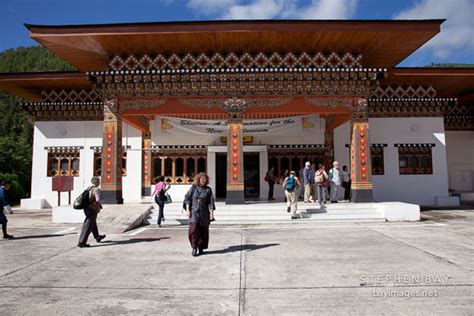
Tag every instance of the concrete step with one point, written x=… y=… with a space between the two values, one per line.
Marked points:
x=226 y=212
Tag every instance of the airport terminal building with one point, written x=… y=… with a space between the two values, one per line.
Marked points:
x=234 y=98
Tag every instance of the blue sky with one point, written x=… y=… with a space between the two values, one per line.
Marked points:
x=455 y=43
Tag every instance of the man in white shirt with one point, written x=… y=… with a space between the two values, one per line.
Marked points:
x=335 y=177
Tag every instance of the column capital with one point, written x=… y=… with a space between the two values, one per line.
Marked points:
x=235 y=107
x=360 y=109
x=111 y=106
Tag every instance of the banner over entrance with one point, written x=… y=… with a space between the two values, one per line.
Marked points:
x=286 y=125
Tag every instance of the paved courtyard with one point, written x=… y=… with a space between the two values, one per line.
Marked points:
x=293 y=269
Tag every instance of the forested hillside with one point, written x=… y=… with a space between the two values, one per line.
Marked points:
x=15 y=126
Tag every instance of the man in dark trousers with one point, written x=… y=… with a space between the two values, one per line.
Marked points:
x=5 y=203
x=90 y=223
x=270 y=178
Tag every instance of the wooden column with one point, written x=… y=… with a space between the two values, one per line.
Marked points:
x=361 y=170
x=235 y=152
x=112 y=154
x=146 y=164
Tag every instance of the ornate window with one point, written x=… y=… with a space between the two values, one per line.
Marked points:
x=63 y=161
x=178 y=164
x=98 y=161
x=415 y=158
x=377 y=158
x=292 y=157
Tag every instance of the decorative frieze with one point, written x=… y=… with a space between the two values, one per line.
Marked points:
x=295 y=146
x=434 y=107
x=399 y=92
x=64 y=149
x=233 y=60
x=415 y=145
x=299 y=82
x=68 y=111
x=65 y=96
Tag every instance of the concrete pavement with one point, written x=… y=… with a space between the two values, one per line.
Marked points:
x=293 y=269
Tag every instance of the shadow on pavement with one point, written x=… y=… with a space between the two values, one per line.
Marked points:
x=249 y=247
x=127 y=242
x=40 y=236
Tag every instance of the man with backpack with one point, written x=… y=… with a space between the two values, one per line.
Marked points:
x=91 y=209
x=290 y=184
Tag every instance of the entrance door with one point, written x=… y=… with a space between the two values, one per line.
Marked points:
x=252 y=175
x=221 y=175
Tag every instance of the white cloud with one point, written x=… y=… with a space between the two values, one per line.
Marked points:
x=456 y=33
x=329 y=9
x=268 y=9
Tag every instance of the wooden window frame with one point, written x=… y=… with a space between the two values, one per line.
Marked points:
x=58 y=156
x=173 y=178
x=377 y=152
x=415 y=152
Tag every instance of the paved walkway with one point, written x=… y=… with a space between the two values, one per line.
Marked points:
x=314 y=268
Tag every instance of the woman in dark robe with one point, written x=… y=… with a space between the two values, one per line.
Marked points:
x=200 y=203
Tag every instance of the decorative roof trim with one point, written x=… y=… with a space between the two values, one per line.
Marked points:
x=306 y=146
x=63 y=147
x=178 y=147
x=233 y=70
x=232 y=60
x=415 y=145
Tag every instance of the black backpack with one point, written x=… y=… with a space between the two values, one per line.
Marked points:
x=82 y=201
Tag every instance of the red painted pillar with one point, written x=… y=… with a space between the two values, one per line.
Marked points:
x=235 y=193
x=361 y=170
x=235 y=164
x=112 y=154
x=146 y=164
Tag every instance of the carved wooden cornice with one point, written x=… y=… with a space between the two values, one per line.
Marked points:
x=206 y=103
x=329 y=102
x=141 y=104
x=435 y=107
x=297 y=82
x=229 y=61
x=68 y=111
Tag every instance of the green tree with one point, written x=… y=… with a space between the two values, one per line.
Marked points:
x=16 y=127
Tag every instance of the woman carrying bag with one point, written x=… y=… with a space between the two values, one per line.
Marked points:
x=161 y=197
x=199 y=202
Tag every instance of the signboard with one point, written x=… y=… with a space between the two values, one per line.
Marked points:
x=285 y=125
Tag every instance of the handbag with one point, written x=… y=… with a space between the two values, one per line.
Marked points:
x=167 y=199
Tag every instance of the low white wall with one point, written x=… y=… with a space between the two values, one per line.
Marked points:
x=392 y=186
x=460 y=156
x=85 y=134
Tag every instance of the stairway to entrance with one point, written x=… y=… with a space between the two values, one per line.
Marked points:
x=261 y=213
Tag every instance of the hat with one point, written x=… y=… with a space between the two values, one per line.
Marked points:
x=307 y=163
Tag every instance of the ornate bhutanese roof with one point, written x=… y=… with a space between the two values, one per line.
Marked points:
x=29 y=86
x=382 y=43
x=448 y=82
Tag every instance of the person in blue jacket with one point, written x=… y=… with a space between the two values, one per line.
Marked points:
x=5 y=204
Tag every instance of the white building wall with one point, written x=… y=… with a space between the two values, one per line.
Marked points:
x=419 y=189
x=460 y=156
x=85 y=134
